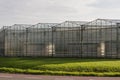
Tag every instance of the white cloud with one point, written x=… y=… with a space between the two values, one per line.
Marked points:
x=106 y=9
x=106 y=4
x=34 y=11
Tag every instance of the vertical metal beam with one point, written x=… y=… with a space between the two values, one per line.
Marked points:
x=26 y=41
x=117 y=39
x=3 y=46
x=82 y=29
x=52 y=32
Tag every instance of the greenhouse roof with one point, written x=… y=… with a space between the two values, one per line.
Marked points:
x=77 y=22
x=67 y=24
x=112 y=20
x=64 y=24
x=47 y=24
x=71 y=24
x=18 y=26
x=102 y=23
x=43 y=25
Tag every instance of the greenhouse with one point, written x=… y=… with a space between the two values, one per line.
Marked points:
x=95 y=39
x=101 y=38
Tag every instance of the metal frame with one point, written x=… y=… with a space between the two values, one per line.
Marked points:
x=95 y=39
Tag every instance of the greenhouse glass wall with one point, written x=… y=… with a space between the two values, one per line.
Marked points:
x=95 y=39
x=101 y=38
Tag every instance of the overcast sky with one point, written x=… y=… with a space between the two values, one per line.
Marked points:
x=36 y=11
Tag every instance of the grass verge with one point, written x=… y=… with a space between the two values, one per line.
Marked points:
x=61 y=66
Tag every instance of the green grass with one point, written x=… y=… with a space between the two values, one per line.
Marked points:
x=61 y=66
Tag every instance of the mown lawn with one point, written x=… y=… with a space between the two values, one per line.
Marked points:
x=61 y=66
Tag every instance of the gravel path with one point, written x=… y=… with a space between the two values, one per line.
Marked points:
x=4 y=76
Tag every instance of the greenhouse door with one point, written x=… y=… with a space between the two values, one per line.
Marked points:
x=89 y=49
x=111 y=49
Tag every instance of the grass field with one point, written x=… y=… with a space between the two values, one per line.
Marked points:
x=61 y=66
